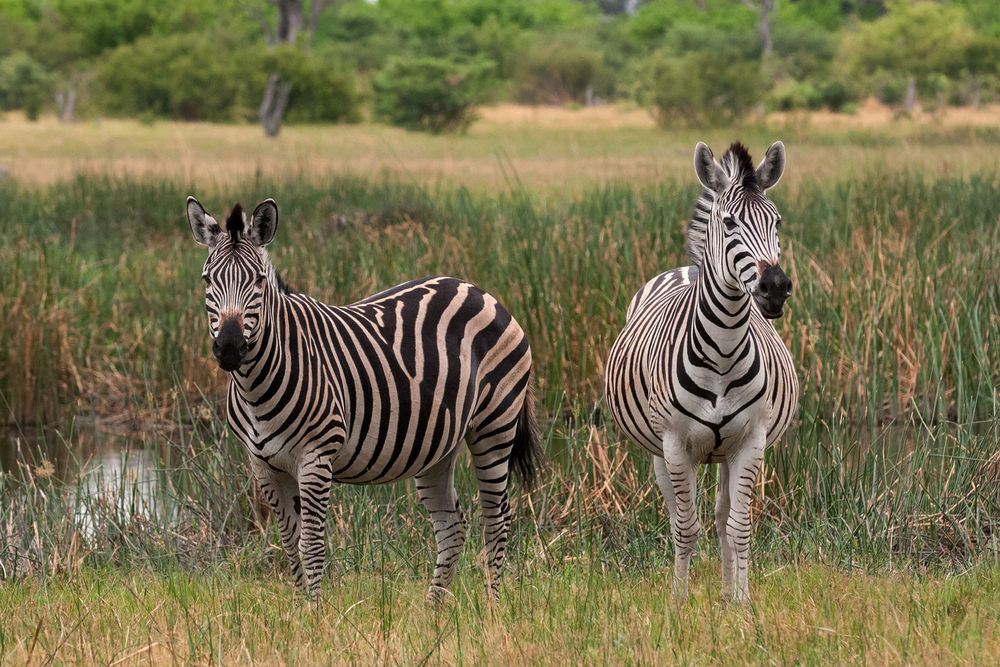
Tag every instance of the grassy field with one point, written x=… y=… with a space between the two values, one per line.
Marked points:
x=877 y=516
x=549 y=150
x=569 y=614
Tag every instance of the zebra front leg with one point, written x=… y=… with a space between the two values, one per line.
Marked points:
x=744 y=466
x=721 y=518
x=678 y=475
x=436 y=490
x=281 y=492
x=315 y=482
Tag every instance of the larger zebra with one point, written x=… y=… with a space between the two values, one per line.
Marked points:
x=377 y=391
x=698 y=374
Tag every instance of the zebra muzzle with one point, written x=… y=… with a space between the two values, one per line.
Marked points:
x=230 y=346
x=773 y=289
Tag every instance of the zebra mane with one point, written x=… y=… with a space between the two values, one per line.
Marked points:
x=283 y=287
x=235 y=223
x=697 y=228
x=738 y=165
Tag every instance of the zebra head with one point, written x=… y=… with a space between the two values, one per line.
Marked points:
x=236 y=274
x=735 y=226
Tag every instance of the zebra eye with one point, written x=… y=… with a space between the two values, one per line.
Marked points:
x=729 y=221
x=777 y=225
x=260 y=280
x=204 y=278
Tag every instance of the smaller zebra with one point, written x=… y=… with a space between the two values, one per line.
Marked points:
x=699 y=374
x=377 y=391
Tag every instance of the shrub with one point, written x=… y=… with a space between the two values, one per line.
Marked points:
x=555 y=72
x=322 y=91
x=429 y=94
x=790 y=95
x=218 y=78
x=702 y=88
x=186 y=76
x=24 y=84
x=836 y=94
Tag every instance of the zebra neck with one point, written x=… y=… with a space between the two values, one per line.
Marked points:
x=720 y=331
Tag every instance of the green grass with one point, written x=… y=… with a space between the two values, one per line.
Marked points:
x=572 y=613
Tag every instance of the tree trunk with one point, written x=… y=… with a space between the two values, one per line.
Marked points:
x=66 y=104
x=275 y=102
x=764 y=26
x=911 y=94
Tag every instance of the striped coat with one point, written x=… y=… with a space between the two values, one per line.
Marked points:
x=377 y=391
x=699 y=374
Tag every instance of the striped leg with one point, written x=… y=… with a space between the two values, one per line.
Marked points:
x=315 y=481
x=721 y=519
x=684 y=528
x=282 y=494
x=436 y=490
x=491 y=456
x=743 y=468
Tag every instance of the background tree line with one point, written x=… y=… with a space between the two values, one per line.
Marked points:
x=424 y=64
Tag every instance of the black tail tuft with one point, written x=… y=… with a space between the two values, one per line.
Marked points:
x=526 y=455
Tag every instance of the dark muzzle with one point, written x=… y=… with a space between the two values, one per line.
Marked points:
x=230 y=347
x=773 y=289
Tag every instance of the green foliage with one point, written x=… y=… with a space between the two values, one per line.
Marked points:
x=556 y=71
x=704 y=87
x=322 y=91
x=197 y=77
x=915 y=40
x=656 y=19
x=826 y=54
x=24 y=84
x=430 y=94
x=190 y=77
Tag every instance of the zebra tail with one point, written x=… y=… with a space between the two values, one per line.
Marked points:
x=526 y=454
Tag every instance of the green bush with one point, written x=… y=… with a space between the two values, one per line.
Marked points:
x=322 y=91
x=24 y=84
x=556 y=72
x=833 y=94
x=791 y=95
x=704 y=88
x=185 y=76
x=210 y=77
x=429 y=94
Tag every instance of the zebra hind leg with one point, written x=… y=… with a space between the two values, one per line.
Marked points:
x=436 y=490
x=282 y=495
x=491 y=457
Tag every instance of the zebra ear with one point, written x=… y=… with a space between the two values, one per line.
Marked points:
x=709 y=172
x=205 y=229
x=771 y=168
x=264 y=223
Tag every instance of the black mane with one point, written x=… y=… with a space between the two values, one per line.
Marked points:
x=283 y=287
x=234 y=223
x=741 y=165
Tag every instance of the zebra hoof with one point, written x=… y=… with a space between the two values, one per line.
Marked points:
x=438 y=596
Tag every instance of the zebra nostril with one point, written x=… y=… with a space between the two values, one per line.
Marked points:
x=762 y=288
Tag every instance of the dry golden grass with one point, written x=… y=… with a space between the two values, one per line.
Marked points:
x=541 y=148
